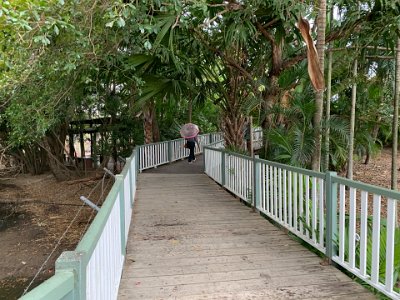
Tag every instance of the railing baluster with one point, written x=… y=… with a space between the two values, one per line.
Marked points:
x=285 y=197
x=376 y=226
x=276 y=192
x=352 y=227
x=342 y=224
x=390 y=232
x=280 y=194
x=321 y=213
x=314 y=209
x=264 y=182
x=308 y=206
x=363 y=233
x=295 y=201
x=301 y=199
x=290 y=199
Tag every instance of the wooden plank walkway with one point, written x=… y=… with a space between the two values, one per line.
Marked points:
x=190 y=239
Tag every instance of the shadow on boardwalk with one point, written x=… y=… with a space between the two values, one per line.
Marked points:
x=181 y=167
x=190 y=239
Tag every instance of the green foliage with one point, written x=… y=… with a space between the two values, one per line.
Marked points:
x=63 y=60
x=294 y=143
x=382 y=251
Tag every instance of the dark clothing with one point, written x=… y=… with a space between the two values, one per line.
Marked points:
x=190 y=145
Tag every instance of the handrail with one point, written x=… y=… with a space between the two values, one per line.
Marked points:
x=155 y=154
x=93 y=270
x=312 y=206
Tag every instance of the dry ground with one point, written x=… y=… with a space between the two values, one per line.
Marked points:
x=35 y=211
x=378 y=171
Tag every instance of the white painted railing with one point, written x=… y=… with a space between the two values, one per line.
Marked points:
x=294 y=198
x=365 y=233
x=238 y=175
x=93 y=270
x=212 y=164
x=153 y=155
x=341 y=218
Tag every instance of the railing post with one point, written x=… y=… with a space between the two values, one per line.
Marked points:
x=223 y=172
x=204 y=160
x=170 y=151
x=130 y=176
x=331 y=214
x=75 y=261
x=121 y=193
x=256 y=182
x=134 y=176
x=137 y=156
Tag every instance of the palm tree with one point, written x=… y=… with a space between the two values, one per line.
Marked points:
x=319 y=98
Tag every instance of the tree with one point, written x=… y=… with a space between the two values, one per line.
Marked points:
x=319 y=98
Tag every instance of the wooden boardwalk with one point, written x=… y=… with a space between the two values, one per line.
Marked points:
x=190 y=239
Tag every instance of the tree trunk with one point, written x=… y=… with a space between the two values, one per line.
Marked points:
x=328 y=111
x=374 y=135
x=271 y=95
x=33 y=159
x=156 y=128
x=319 y=98
x=396 y=126
x=190 y=109
x=54 y=144
x=352 y=122
x=233 y=127
x=148 y=124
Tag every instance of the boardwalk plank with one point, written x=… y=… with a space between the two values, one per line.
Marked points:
x=190 y=239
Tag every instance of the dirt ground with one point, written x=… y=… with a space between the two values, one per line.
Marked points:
x=35 y=211
x=377 y=172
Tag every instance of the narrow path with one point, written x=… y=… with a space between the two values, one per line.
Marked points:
x=190 y=239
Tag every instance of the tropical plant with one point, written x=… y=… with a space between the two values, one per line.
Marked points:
x=382 y=251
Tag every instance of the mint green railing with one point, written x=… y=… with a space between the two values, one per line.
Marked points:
x=343 y=219
x=93 y=270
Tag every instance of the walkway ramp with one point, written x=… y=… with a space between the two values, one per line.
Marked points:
x=190 y=239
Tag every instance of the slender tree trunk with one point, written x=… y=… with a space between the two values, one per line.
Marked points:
x=328 y=111
x=375 y=130
x=352 y=122
x=396 y=125
x=156 y=128
x=328 y=97
x=148 y=124
x=190 y=109
x=319 y=98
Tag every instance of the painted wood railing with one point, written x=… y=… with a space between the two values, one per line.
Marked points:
x=328 y=212
x=93 y=270
x=153 y=155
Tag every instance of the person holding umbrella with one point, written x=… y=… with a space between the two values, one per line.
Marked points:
x=189 y=132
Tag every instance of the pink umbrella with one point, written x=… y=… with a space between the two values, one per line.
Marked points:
x=189 y=130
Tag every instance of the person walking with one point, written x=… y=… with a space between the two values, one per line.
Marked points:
x=191 y=144
x=189 y=132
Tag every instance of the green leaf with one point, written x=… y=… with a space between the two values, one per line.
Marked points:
x=121 y=22
x=110 y=24
x=147 y=45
